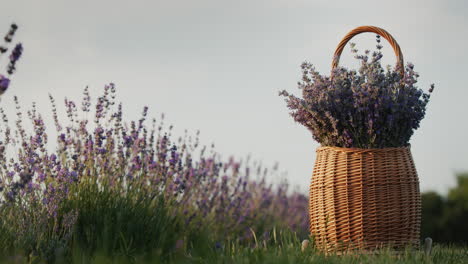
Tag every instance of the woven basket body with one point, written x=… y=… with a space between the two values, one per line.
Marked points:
x=364 y=199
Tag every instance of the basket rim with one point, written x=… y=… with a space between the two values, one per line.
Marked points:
x=363 y=150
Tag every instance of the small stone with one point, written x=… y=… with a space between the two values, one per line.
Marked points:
x=427 y=246
x=305 y=244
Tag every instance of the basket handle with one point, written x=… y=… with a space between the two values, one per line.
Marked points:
x=377 y=30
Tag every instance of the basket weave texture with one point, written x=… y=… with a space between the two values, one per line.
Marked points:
x=364 y=199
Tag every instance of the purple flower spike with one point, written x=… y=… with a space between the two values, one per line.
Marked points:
x=4 y=83
x=14 y=57
x=16 y=53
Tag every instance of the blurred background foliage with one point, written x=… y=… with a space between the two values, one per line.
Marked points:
x=445 y=219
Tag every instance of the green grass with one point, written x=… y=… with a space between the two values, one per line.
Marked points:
x=286 y=250
x=134 y=227
x=128 y=225
x=118 y=225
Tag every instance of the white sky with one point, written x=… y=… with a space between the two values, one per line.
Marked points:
x=217 y=66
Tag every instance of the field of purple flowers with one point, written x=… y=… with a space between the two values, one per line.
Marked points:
x=128 y=187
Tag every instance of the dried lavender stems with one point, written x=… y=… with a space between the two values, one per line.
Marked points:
x=368 y=108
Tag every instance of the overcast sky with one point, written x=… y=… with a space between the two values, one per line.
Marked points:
x=217 y=66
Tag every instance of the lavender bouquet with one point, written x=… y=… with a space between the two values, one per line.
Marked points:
x=368 y=108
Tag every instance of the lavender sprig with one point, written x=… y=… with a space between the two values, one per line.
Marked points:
x=8 y=38
x=13 y=58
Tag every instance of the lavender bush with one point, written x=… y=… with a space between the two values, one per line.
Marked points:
x=370 y=108
x=126 y=187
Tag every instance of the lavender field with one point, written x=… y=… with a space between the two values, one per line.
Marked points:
x=128 y=187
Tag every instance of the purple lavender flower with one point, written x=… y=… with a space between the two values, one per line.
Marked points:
x=14 y=57
x=4 y=83
x=16 y=53
x=218 y=245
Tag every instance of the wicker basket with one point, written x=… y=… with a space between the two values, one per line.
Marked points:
x=364 y=199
